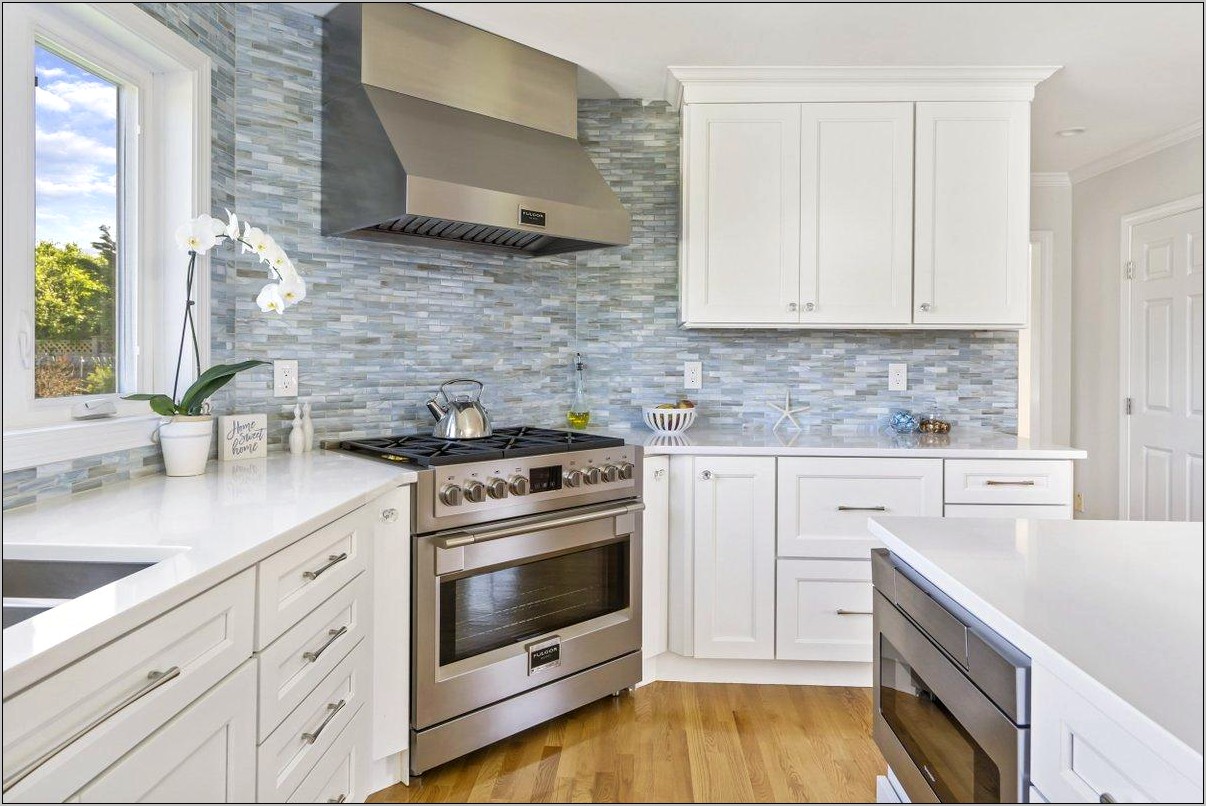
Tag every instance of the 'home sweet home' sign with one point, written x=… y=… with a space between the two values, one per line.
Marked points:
x=243 y=436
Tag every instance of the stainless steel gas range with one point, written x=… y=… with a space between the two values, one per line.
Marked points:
x=526 y=581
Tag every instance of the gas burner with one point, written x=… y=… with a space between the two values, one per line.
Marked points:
x=425 y=450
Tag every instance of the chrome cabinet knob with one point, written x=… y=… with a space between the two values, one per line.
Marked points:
x=626 y=470
x=706 y=475
x=611 y=473
x=519 y=485
x=792 y=306
x=389 y=515
x=496 y=488
x=592 y=475
x=573 y=478
x=451 y=495
x=810 y=306
x=475 y=492
x=925 y=306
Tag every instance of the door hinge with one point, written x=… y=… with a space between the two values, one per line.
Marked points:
x=1130 y=406
x=1128 y=270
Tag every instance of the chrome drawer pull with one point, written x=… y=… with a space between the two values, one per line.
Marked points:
x=334 y=708
x=155 y=680
x=1106 y=797
x=995 y=483
x=334 y=636
x=844 y=508
x=843 y=612
x=332 y=559
x=339 y=799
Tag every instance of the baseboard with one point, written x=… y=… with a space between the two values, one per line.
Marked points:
x=670 y=666
x=385 y=772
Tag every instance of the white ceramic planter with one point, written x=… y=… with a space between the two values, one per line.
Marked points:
x=186 y=442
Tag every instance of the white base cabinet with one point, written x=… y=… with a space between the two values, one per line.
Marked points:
x=655 y=556
x=823 y=610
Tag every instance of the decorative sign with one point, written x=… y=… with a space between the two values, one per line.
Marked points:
x=243 y=436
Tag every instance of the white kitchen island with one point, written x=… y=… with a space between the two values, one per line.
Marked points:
x=1111 y=615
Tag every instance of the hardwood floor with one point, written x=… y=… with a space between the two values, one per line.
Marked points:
x=676 y=742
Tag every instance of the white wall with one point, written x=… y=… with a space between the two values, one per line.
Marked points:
x=1051 y=210
x=1098 y=205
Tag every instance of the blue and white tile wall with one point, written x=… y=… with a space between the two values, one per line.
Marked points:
x=384 y=324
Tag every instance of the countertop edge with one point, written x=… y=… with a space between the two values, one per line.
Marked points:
x=914 y=453
x=1185 y=759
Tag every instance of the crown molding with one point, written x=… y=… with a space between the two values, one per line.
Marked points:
x=1050 y=180
x=1137 y=151
x=687 y=84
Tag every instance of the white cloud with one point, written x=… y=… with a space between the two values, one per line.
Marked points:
x=52 y=72
x=93 y=96
x=65 y=145
x=50 y=101
x=77 y=185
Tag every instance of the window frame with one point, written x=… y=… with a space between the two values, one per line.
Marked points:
x=166 y=119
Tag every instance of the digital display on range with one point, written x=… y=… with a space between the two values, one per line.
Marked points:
x=544 y=479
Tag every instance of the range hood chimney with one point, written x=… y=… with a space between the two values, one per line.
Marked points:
x=436 y=132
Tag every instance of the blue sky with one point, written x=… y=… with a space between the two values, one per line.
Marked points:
x=76 y=151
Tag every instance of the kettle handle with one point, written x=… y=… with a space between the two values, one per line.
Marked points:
x=479 y=384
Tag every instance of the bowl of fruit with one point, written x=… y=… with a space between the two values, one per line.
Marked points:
x=670 y=418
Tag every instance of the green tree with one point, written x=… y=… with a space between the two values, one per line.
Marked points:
x=74 y=292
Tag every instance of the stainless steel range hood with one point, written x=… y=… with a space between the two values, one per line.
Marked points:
x=438 y=133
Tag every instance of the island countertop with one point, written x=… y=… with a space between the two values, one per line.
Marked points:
x=197 y=531
x=1112 y=607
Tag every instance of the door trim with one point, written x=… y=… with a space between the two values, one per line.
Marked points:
x=1129 y=222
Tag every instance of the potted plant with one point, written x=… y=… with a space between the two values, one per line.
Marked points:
x=186 y=438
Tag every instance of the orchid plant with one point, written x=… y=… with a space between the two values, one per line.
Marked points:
x=285 y=289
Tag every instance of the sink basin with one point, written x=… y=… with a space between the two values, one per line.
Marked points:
x=34 y=586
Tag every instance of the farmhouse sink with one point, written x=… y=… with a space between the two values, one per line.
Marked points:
x=34 y=586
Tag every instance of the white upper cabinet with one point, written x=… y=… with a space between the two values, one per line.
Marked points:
x=971 y=232
x=742 y=239
x=856 y=256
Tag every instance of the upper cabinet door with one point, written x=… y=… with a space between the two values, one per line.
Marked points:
x=741 y=197
x=972 y=223
x=856 y=256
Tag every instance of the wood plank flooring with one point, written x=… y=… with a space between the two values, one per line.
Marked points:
x=676 y=743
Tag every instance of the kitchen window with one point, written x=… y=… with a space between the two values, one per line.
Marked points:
x=106 y=151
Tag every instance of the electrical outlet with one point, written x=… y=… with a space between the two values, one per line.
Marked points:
x=284 y=378
x=898 y=377
x=693 y=375
x=1079 y=504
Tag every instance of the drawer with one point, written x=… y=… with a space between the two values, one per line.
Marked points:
x=823 y=610
x=289 y=754
x=341 y=775
x=299 y=660
x=189 y=648
x=1037 y=511
x=297 y=579
x=824 y=503
x=1078 y=754
x=1008 y=481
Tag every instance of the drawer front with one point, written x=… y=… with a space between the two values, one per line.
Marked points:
x=824 y=503
x=288 y=755
x=299 y=660
x=1036 y=511
x=1008 y=481
x=1078 y=754
x=341 y=775
x=204 y=639
x=823 y=610
x=297 y=579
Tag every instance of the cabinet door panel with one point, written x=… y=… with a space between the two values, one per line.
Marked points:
x=972 y=222
x=856 y=256
x=741 y=247
x=824 y=610
x=734 y=557
x=655 y=538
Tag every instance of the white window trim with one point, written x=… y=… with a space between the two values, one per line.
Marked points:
x=173 y=176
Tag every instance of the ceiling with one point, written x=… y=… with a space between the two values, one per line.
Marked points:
x=1131 y=71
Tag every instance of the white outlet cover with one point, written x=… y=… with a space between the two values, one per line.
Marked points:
x=898 y=377
x=693 y=375
x=284 y=378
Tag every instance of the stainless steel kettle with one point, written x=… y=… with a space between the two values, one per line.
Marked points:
x=462 y=415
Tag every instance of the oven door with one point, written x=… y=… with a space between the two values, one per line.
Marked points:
x=943 y=738
x=511 y=607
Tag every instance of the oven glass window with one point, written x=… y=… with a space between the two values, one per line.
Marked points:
x=955 y=766
x=507 y=605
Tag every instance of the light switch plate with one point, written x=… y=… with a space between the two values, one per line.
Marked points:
x=693 y=375
x=898 y=377
x=284 y=378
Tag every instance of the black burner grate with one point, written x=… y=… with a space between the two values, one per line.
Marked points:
x=428 y=451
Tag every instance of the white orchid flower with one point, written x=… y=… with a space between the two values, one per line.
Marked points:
x=256 y=240
x=293 y=288
x=232 y=227
x=279 y=261
x=270 y=299
x=200 y=234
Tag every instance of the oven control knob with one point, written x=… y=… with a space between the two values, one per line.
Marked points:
x=496 y=487
x=592 y=475
x=475 y=491
x=611 y=473
x=519 y=485
x=450 y=495
x=626 y=469
x=573 y=478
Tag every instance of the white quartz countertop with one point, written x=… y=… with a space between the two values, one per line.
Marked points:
x=1113 y=608
x=959 y=444
x=197 y=530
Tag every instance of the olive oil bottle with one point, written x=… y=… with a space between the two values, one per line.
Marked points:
x=578 y=415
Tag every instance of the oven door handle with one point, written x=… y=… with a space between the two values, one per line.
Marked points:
x=465 y=538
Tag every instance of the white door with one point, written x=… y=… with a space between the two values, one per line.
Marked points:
x=734 y=515
x=972 y=216
x=741 y=196
x=1164 y=431
x=205 y=754
x=856 y=232
x=655 y=552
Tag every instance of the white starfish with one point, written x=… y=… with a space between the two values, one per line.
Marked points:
x=787 y=411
